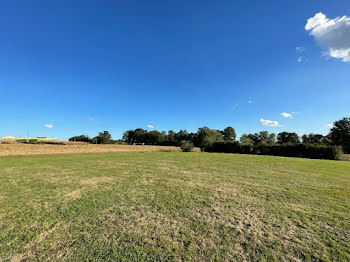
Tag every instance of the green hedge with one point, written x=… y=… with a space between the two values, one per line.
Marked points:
x=290 y=150
x=28 y=141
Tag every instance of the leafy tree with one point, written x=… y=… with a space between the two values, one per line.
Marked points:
x=171 y=140
x=81 y=138
x=340 y=134
x=128 y=136
x=316 y=139
x=229 y=134
x=263 y=137
x=247 y=140
x=286 y=137
x=272 y=139
x=186 y=146
x=104 y=138
x=181 y=135
x=206 y=137
x=139 y=136
x=153 y=137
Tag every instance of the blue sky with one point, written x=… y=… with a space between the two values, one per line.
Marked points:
x=80 y=67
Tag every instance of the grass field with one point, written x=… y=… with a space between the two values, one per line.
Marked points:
x=77 y=148
x=173 y=206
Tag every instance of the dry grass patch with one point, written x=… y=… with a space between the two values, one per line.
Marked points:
x=76 y=148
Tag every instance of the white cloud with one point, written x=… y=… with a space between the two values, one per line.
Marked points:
x=268 y=122
x=250 y=102
x=92 y=120
x=332 y=34
x=48 y=126
x=330 y=125
x=286 y=115
x=150 y=126
x=300 y=49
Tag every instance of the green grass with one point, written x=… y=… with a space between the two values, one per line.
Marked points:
x=173 y=206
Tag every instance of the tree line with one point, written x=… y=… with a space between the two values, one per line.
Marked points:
x=206 y=137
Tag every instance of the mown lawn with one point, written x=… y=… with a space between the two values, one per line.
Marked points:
x=173 y=206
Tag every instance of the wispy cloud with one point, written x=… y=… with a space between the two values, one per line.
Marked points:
x=301 y=53
x=331 y=34
x=92 y=120
x=330 y=125
x=300 y=49
x=48 y=125
x=265 y=122
x=286 y=115
x=150 y=126
x=251 y=102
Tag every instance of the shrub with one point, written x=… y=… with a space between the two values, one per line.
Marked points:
x=186 y=146
x=23 y=141
x=289 y=150
x=33 y=141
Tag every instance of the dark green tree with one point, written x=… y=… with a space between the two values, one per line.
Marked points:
x=263 y=137
x=229 y=134
x=247 y=140
x=316 y=139
x=171 y=140
x=206 y=137
x=81 y=138
x=104 y=138
x=340 y=134
x=128 y=136
x=139 y=136
x=286 y=137
x=181 y=135
x=153 y=137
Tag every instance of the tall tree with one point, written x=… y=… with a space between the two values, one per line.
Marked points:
x=206 y=137
x=286 y=137
x=247 y=140
x=340 y=134
x=81 y=138
x=139 y=135
x=316 y=139
x=263 y=137
x=104 y=138
x=171 y=141
x=229 y=134
x=128 y=136
x=181 y=135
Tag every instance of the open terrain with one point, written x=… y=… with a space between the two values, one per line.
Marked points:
x=173 y=206
x=76 y=148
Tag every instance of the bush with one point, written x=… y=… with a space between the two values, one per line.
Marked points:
x=33 y=141
x=186 y=146
x=27 y=141
x=23 y=141
x=289 y=150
